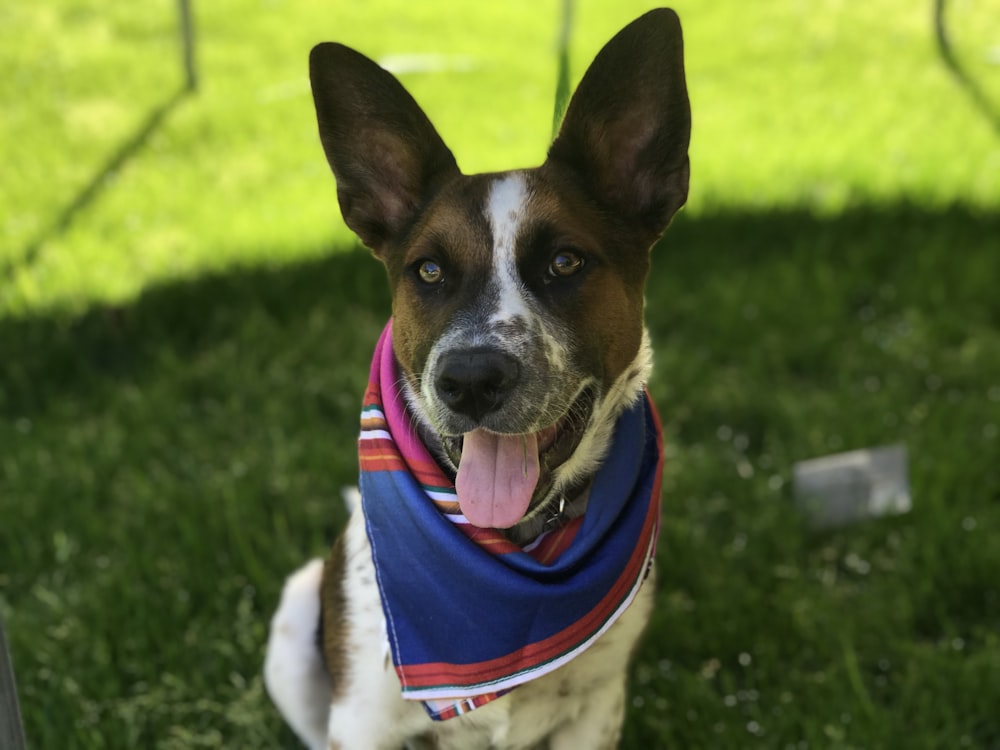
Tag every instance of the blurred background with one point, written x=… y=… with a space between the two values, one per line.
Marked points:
x=185 y=326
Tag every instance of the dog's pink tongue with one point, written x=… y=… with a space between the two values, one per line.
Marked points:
x=496 y=478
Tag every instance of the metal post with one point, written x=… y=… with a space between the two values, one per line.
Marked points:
x=562 y=65
x=187 y=44
x=11 y=729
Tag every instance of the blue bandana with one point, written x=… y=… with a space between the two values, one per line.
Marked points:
x=469 y=615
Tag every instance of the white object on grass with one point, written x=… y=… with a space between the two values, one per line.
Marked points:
x=846 y=487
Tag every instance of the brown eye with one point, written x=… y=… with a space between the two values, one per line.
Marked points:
x=565 y=263
x=430 y=272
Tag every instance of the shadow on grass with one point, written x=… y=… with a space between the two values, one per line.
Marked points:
x=257 y=308
x=164 y=464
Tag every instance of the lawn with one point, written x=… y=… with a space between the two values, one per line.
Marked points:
x=182 y=355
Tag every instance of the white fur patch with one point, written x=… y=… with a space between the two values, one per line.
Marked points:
x=505 y=210
x=294 y=673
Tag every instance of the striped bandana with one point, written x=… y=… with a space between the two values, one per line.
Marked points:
x=469 y=615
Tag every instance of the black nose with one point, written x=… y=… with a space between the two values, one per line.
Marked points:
x=475 y=382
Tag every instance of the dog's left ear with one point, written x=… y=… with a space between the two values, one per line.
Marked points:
x=386 y=155
x=628 y=125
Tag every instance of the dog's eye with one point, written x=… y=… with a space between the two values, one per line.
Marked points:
x=430 y=272
x=565 y=263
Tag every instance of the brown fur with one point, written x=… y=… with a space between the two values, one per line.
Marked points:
x=333 y=633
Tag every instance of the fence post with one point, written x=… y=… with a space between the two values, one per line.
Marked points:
x=187 y=44
x=11 y=728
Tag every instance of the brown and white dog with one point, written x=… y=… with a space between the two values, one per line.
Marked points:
x=518 y=311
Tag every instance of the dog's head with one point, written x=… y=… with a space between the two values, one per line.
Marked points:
x=517 y=296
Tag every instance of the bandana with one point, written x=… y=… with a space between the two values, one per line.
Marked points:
x=469 y=615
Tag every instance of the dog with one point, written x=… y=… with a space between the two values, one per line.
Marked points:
x=491 y=585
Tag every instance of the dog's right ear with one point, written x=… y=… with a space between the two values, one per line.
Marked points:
x=387 y=157
x=627 y=127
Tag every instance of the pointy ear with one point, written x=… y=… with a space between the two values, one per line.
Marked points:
x=387 y=157
x=627 y=127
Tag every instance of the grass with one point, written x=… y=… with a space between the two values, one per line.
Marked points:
x=181 y=363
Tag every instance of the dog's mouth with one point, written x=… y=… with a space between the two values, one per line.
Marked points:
x=501 y=476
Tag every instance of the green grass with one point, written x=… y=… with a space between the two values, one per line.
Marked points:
x=181 y=365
